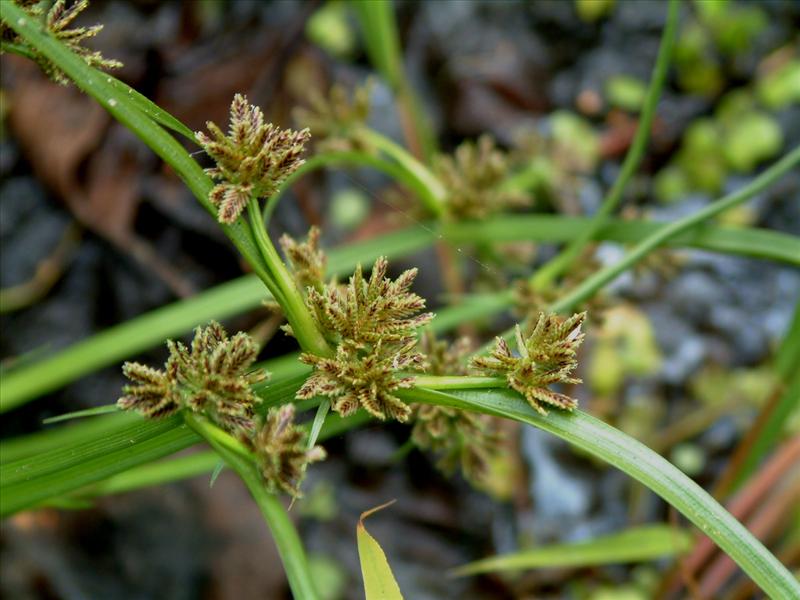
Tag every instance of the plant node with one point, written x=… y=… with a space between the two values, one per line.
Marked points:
x=546 y=356
x=253 y=160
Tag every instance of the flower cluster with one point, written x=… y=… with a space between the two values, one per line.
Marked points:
x=373 y=324
x=473 y=177
x=546 y=356
x=282 y=452
x=335 y=120
x=306 y=259
x=252 y=160
x=57 y=22
x=214 y=378
x=356 y=378
x=366 y=311
x=459 y=438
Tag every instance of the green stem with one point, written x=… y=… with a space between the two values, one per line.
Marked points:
x=435 y=194
x=456 y=382
x=327 y=159
x=286 y=292
x=290 y=547
x=641 y=463
x=19 y=49
x=562 y=262
x=589 y=286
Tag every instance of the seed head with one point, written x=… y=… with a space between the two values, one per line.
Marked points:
x=546 y=356
x=253 y=159
x=56 y=23
x=212 y=378
x=282 y=452
x=335 y=120
x=356 y=379
x=459 y=438
x=472 y=177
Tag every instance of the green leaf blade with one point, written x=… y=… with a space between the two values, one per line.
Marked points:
x=638 y=544
x=379 y=581
x=641 y=463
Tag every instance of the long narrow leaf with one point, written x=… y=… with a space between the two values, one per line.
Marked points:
x=638 y=544
x=641 y=463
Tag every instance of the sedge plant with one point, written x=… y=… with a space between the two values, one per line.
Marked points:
x=368 y=349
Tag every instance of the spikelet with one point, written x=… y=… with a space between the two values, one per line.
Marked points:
x=546 y=356
x=212 y=378
x=472 y=177
x=56 y=23
x=306 y=259
x=282 y=451
x=366 y=311
x=356 y=379
x=252 y=160
x=459 y=438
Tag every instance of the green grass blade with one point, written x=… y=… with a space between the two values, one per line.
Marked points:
x=17 y=448
x=633 y=158
x=752 y=242
x=151 y=109
x=27 y=482
x=155 y=473
x=590 y=285
x=641 y=463
x=638 y=544
x=771 y=432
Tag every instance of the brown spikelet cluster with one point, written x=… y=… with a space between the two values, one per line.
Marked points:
x=366 y=311
x=373 y=323
x=252 y=160
x=335 y=120
x=459 y=438
x=212 y=378
x=365 y=379
x=306 y=259
x=282 y=451
x=472 y=177
x=546 y=356
x=57 y=22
